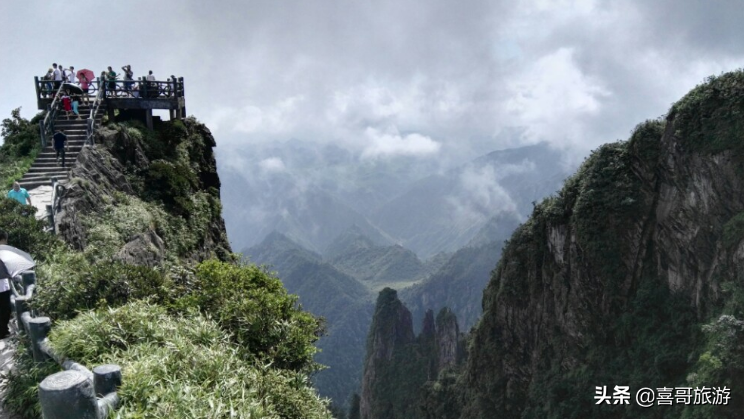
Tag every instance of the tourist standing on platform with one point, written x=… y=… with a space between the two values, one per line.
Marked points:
x=63 y=73
x=57 y=73
x=85 y=85
x=128 y=77
x=48 y=78
x=60 y=144
x=19 y=194
x=71 y=75
x=111 y=77
x=5 y=308
x=152 y=88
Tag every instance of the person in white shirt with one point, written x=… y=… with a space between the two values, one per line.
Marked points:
x=57 y=76
x=150 y=77
x=71 y=75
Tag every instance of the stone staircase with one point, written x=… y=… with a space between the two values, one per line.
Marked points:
x=45 y=166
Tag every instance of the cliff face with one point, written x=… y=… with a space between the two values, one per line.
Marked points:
x=398 y=364
x=160 y=189
x=630 y=276
x=611 y=280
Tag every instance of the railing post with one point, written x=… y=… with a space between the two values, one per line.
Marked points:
x=38 y=330
x=106 y=379
x=21 y=306
x=38 y=90
x=88 y=131
x=28 y=278
x=67 y=395
x=183 y=94
x=42 y=134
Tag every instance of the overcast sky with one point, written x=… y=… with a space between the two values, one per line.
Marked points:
x=391 y=77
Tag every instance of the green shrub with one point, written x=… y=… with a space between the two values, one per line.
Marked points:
x=21 y=145
x=182 y=367
x=710 y=118
x=25 y=231
x=171 y=184
x=73 y=285
x=253 y=306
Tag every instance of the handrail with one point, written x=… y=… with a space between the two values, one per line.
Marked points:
x=142 y=88
x=90 y=126
x=47 y=126
x=55 y=205
x=70 y=393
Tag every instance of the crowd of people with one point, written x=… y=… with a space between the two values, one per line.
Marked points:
x=84 y=81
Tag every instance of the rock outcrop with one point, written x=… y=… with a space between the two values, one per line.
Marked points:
x=173 y=169
x=399 y=363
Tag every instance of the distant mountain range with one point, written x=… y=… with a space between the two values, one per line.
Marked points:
x=312 y=195
x=436 y=240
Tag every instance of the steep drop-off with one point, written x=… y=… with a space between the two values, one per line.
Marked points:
x=630 y=276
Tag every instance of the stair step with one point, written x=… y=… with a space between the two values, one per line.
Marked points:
x=47 y=180
x=52 y=153
x=36 y=170
x=46 y=177
x=47 y=164
x=36 y=183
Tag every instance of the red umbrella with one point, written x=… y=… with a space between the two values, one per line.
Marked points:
x=89 y=75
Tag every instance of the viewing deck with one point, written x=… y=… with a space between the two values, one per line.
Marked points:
x=136 y=95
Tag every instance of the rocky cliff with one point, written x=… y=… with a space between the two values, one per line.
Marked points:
x=164 y=184
x=612 y=280
x=629 y=276
x=399 y=363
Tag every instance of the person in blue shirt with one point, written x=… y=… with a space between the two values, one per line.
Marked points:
x=19 y=194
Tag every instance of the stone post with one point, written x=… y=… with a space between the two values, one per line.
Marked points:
x=106 y=379
x=39 y=328
x=21 y=306
x=67 y=395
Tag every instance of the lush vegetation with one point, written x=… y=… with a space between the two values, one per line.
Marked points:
x=183 y=366
x=196 y=336
x=710 y=118
x=21 y=145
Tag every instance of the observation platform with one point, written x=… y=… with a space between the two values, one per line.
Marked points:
x=136 y=97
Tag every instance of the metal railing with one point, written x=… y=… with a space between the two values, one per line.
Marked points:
x=144 y=89
x=53 y=209
x=70 y=393
x=46 y=127
x=90 y=126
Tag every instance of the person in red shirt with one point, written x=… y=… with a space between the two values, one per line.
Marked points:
x=66 y=103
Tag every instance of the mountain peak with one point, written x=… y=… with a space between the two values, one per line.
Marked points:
x=350 y=240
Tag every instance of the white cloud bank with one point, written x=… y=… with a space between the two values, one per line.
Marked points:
x=391 y=143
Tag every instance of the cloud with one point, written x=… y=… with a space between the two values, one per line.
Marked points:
x=391 y=143
x=552 y=98
x=272 y=164
x=576 y=73
x=481 y=196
